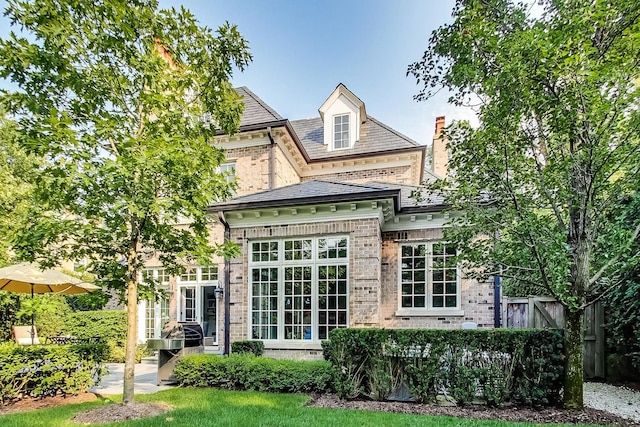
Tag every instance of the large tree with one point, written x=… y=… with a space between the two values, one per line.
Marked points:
x=123 y=99
x=15 y=189
x=555 y=83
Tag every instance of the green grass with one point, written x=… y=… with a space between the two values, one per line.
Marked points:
x=209 y=407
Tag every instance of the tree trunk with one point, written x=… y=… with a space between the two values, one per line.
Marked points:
x=132 y=339
x=580 y=240
x=574 y=355
x=128 y=397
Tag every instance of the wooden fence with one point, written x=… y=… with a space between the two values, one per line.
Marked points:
x=546 y=312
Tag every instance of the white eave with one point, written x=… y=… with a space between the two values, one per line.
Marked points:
x=342 y=90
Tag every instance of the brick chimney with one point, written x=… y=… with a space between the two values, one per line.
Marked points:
x=164 y=53
x=439 y=155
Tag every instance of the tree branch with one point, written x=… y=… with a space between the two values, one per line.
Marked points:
x=613 y=260
x=543 y=185
x=516 y=205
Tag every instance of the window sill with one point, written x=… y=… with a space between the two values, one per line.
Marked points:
x=428 y=313
x=292 y=345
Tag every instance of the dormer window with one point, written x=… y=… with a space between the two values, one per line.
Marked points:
x=341 y=131
x=342 y=115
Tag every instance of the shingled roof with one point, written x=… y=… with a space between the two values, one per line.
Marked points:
x=323 y=191
x=375 y=137
x=256 y=111
x=428 y=201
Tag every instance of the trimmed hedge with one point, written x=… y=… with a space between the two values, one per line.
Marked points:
x=248 y=372
x=46 y=370
x=251 y=347
x=109 y=325
x=499 y=365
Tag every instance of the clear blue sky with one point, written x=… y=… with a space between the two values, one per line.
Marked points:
x=303 y=49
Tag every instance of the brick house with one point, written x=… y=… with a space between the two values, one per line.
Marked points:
x=329 y=237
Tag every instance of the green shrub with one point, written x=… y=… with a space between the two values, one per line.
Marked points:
x=424 y=369
x=383 y=375
x=109 y=325
x=46 y=370
x=248 y=347
x=500 y=365
x=248 y=372
x=351 y=359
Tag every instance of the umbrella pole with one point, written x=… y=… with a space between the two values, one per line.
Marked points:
x=33 y=317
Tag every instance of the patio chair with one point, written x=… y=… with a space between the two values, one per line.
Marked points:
x=22 y=335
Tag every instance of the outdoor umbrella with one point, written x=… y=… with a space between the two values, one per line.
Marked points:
x=29 y=278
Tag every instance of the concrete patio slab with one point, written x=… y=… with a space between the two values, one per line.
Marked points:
x=145 y=380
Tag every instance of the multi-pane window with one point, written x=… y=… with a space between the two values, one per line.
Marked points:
x=299 y=288
x=264 y=303
x=159 y=275
x=341 y=131
x=188 y=301
x=264 y=251
x=206 y=274
x=228 y=170
x=209 y=273
x=163 y=276
x=332 y=298
x=297 y=249
x=190 y=275
x=332 y=248
x=429 y=276
x=297 y=303
x=157 y=314
x=156 y=309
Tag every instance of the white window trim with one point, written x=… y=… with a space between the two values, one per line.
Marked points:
x=428 y=311
x=144 y=306
x=280 y=264
x=333 y=132
x=197 y=286
x=198 y=279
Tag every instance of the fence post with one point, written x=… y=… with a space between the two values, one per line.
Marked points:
x=600 y=364
x=531 y=313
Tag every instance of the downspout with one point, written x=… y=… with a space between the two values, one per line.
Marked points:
x=496 y=300
x=227 y=288
x=497 y=291
x=272 y=159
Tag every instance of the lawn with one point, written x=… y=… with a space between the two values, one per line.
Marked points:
x=210 y=407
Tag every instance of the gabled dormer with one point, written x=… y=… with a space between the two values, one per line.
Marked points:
x=342 y=114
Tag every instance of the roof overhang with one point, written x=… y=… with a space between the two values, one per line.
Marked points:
x=393 y=194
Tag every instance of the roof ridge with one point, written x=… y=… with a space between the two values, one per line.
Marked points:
x=307 y=118
x=390 y=129
x=263 y=104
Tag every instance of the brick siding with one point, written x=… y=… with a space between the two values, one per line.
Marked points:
x=373 y=281
x=397 y=175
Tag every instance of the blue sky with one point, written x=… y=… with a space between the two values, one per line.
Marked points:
x=303 y=49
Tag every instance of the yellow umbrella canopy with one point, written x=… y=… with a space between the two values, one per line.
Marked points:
x=30 y=279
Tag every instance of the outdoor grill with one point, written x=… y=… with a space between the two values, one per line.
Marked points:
x=177 y=339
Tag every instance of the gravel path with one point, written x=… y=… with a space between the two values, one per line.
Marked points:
x=620 y=401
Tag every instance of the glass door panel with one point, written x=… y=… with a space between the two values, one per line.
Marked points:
x=188 y=311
